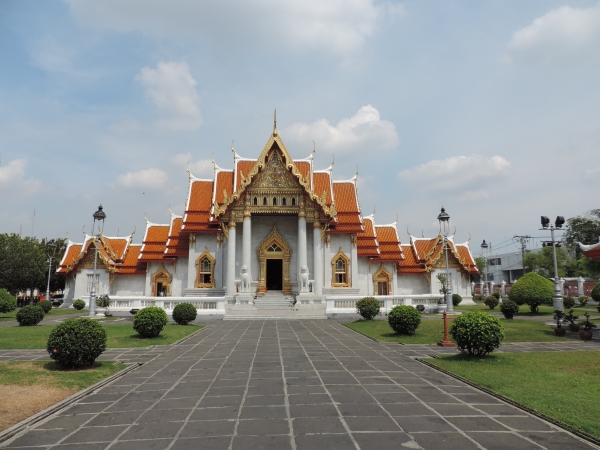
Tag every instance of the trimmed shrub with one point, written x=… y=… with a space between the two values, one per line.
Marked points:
x=568 y=302
x=477 y=333
x=30 y=315
x=368 y=307
x=46 y=305
x=421 y=308
x=532 y=289
x=78 y=304
x=509 y=309
x=76 y=342
x=456 y=299
x=184 y=313
x=497 y=294
x=583 y=299
x=150 y=321
x=7 y=302
x=595 y=294
x=404 y=319
x=491 y=302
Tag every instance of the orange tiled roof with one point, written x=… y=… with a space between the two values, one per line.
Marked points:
x=591 y=251
x=348 y=212
x=177 y=244
x=197 y=216
x=410 y=264
x=304 y=169
x=242 y=167
x=428 y=251
x=224 y=184
x=467 y=258
x=389 y=243
x=322 y=183
x=367 y=244
x=155 y=242
x=69 y=258
x=132 y=265
x=115 y=246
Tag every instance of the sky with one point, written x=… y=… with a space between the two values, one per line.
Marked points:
x=490 y=109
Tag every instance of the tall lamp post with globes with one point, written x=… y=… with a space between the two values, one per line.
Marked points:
x=99 y=216
x=557 y=300
x=51 y=246
x=444 y=220
x=484 y=247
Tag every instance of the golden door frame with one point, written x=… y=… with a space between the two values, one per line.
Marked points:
x=284 y=254
x=159 y=275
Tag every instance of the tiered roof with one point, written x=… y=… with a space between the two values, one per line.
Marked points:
x=154 y=244
x=423 y=253
x=591 y=251
x=112 y=252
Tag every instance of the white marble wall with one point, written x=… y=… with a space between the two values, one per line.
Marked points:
x=408 y=284
x=205 y=242
x=128 y=285
x=336 y=242
x=82 y=279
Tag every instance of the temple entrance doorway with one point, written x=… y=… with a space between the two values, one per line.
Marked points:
x=274 y=274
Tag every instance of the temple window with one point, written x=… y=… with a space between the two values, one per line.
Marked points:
x=255 y=201
x=205 y=269
x=264 y=201
x=381 y=281
x=274 y=201
x=283 y=201
x=340 y=268
x=293 y=201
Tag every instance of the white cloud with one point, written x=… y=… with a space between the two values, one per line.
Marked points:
x=49 y=55
x=565 y=33
x=473 y=196
x=173 y=89
x=457 y=172
x=147 y=179
x=365 y=131
x=203 y=167
x=12 y=177
x=339 y=26
x=590 y=172
x=126 y=126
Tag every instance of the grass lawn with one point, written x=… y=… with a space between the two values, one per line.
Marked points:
x=53 y=312
x=31 y=386
x=432 y=331
x=118 y=336
x=562 y=385
x=544 y=310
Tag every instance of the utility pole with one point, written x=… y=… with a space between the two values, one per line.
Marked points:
x=523 y=241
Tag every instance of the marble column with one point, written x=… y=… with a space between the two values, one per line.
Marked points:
x=317 y=258
x=247 y=245
x=302 y=253
x=580 y=290
x=230 y=283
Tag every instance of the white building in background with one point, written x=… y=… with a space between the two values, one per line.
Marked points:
x=265 y=233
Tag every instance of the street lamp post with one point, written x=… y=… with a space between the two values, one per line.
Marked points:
x=99 y=216
x=484 y=247
x=444 y=220
x=557 y=300
x=51 y=244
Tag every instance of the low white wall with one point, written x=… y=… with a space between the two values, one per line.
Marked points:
x=204 y=305
x=347 y=304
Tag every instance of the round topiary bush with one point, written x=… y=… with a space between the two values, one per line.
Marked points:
x=456 y=299
x=477 y=333
x=491 y=302
x=46 y=305
x=497 y=294
x=150 y=321
x=76 y=342
x=184 y=313
x=568 y=302
x=532 y=289
x=368 y=307
x=404 y=319
x=7 y=302
x=78 y=304
x=583 y=299
x=509 y=309
x=30 y=315
x=595 y=294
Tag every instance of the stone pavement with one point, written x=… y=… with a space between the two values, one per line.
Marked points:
x=291 y=385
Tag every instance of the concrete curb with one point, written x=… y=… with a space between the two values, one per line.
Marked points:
x=371 y=337
x=26 y=424
x=579 y=434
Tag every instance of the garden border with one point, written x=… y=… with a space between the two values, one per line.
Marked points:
x=25 y=424
x=569 y=428
x=374 y=339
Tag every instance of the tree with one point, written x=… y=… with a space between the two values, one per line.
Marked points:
x=24 y=263
x=542 y=262
x=532 y=289
x=584 y=229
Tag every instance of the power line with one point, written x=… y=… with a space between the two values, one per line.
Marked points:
x=523 y=241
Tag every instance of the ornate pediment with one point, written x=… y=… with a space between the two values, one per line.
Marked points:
x=274 y=176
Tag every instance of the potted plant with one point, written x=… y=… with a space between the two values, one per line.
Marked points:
x=571 y=319
x=104 y=302
x=559 y=316
x=586 y=333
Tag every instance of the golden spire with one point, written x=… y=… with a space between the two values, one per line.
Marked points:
x=275 y=123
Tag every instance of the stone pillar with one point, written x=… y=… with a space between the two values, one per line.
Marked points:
x=302 y=252
x=503 y=288
x=230 y=283
x=317 y=259
x=561 y=282
x=472 y=288
x=247 y=246
x=492 y=287
x=580 y=288
x=482 y=289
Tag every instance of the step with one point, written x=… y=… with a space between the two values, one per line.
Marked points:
x=271 y=317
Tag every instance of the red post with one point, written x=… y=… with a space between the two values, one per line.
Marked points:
x=446 y=342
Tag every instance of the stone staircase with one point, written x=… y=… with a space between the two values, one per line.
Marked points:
x=274 y=301
x=275 y=306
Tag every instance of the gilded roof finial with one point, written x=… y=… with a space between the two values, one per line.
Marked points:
x=133 y=232
x=373 y=210
x=187 y=167
x=275 y=123
x=145 y=218
x=332 y=160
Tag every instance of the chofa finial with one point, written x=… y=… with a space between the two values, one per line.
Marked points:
x=275 y=123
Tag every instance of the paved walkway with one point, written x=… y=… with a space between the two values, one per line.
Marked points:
x=292 y=385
